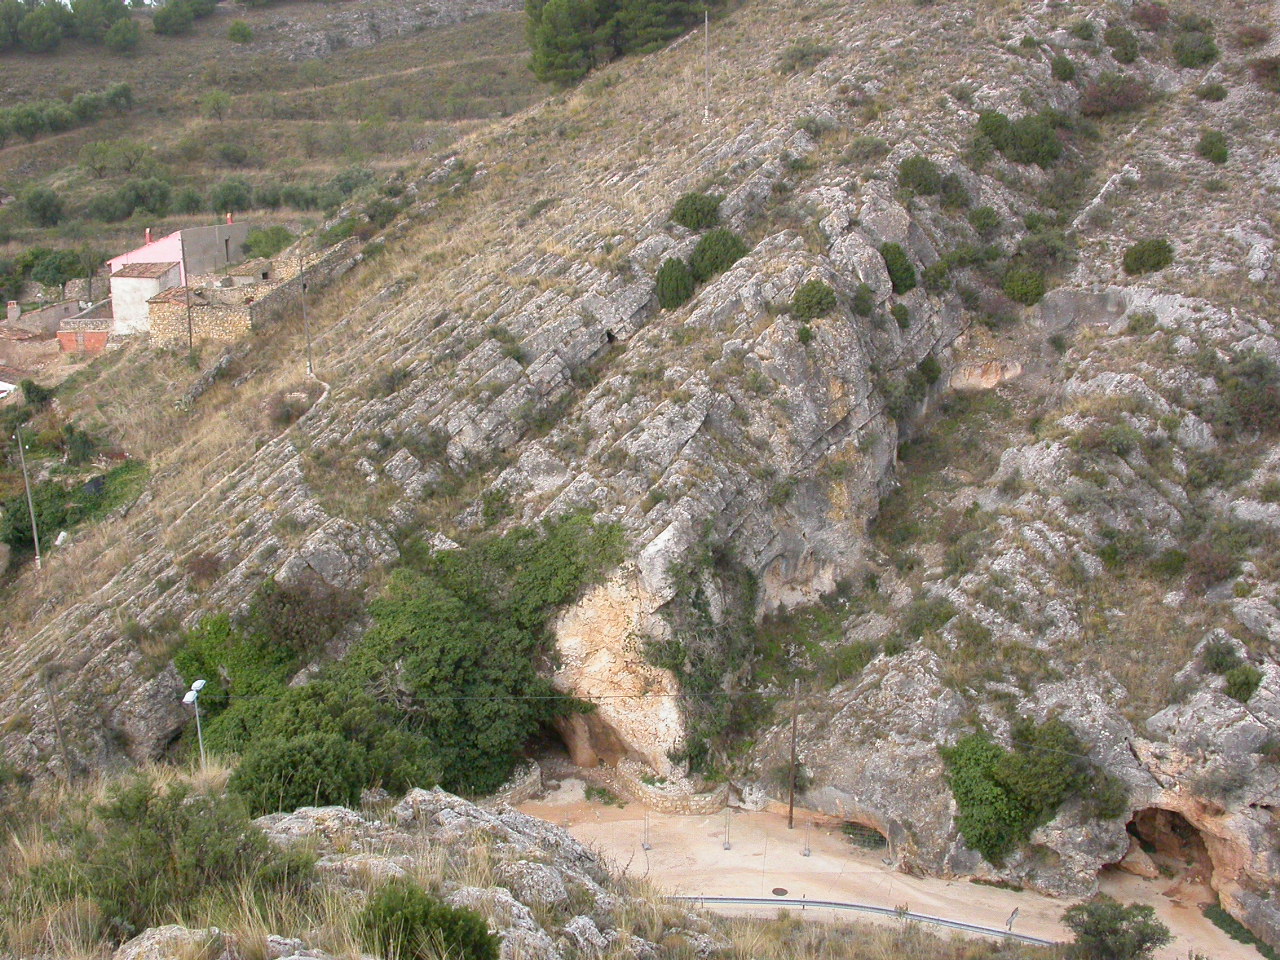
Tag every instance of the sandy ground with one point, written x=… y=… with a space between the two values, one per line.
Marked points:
x=687 y=856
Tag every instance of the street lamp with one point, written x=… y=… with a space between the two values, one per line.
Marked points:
x=192 y=698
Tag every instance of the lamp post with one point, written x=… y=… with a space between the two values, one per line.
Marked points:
x=193 y=699
x=31 y=507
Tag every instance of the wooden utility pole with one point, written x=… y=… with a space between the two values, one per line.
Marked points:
x=791 y=789
x=31 y=507
x=706 y=70
x=186 y=291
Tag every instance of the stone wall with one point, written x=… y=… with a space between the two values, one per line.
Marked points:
x=523 y=785
x=208 y=322
x=286 y=297
x=671 y=797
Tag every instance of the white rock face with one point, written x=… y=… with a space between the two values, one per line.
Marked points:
x=600 y=645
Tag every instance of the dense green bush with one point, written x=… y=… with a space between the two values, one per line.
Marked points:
x=1242 y=682
x=149 y=850
x=239 y=32
x=1003 y=795
x=936 y=277
x=864 y=300
x=123 y=37
x=1023 y=284
x=404 y=922
x=804 y=333
x=1029 y=139
x=568 y=37
x=697 y=211
x=42 y=206
x=1194 y=49
x=1107 y=930
x=1123 y=43
x=267 y=241
x=233 y=195
x=812 y=300
x=1213 y=92
x=716 y=252
x=63 y=508
x=444 y=688
x=174 y=18
x=901 y=315
x=984 y=220
x=674 y=283
x=1063 y=68
x=918 y=174
x=1213 y=146
x=1148 y=256
x=901 y=272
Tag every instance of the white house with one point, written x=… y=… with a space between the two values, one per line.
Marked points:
x=132 y=285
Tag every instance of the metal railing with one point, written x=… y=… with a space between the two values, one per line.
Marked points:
x=868 y=908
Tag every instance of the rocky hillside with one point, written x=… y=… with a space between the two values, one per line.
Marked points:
x=987 y=508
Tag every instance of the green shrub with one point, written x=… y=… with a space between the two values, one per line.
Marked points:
x=920 y=175
x=864 y=300
x=1148 y=256
x=42 y=206
x=930 y=369
x=716 y=252
x=429 y=694
x=1194 y=49
x=239 y=32
x=936 y=277
x=267 y=241
x=674 y=284
x=1023 y=284
x=404 y=922
x=1083 y=30
x=1030 y=139
x=901 y=273
x=1212 y=92
x=1123 y=43
x=1238 y=931
x=804 y=333
x=812 y=300
x=175 y=17
x=1220 y=657
x=1063 y=68
x=149 y=850
x=122 y=37
x=864 y=150
x=802 y=55
x=984 y=220
x=1213 y=146
x=1107 y=930
x=697 y=211
x=901 y=314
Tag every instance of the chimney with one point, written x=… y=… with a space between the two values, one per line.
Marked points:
x=148 y=234
x=229 y=220
x=12 y=311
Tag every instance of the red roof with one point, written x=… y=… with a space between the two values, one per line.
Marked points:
x=144 y=271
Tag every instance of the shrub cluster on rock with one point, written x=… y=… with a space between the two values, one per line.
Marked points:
x=902 y=274
x=813 y=299
x=1148 y=256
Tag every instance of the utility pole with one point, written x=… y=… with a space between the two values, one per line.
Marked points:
x=791 y=786
x=31 y=507
x=306 y=324
x=706 y=77
x=186 y=292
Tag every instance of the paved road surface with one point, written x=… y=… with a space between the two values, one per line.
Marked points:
x=687 y=857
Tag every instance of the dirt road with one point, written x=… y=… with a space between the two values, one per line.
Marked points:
x=687 y=856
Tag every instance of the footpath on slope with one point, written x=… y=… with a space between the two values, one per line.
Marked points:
x=687 y=857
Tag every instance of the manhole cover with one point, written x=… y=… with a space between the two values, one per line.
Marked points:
x=779 y=891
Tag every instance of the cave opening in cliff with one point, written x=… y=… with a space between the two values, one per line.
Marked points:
x=864 y=835
x=1170 y=843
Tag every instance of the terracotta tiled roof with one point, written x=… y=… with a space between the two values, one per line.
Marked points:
x=179 y=295
x=144 y=271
